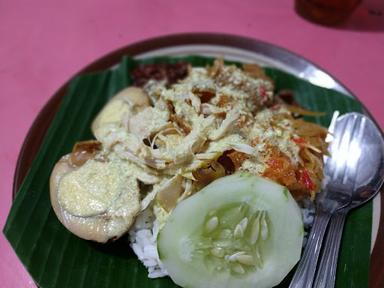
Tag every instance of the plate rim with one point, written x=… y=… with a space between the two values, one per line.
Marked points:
x=41 y=123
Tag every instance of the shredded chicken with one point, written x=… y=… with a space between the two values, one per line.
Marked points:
x=178 y=137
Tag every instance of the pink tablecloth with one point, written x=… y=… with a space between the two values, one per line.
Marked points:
x=42 y=43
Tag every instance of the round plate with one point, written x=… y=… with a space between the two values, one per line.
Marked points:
x=218 y=45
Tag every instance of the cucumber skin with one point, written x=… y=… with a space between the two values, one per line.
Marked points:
x=184 y=223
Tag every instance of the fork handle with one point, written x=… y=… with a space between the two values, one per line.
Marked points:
x=326 y=274
x=305 y=271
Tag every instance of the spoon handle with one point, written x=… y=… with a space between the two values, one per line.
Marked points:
x=305 y=271
x=326 y=274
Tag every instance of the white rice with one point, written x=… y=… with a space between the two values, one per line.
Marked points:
x=143 y=235
x=142 y=238
x=308 y=213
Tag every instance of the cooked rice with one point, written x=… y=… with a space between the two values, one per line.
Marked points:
x=143 y=241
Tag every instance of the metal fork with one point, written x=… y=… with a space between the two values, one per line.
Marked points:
x=366 y=178
x=334 y=196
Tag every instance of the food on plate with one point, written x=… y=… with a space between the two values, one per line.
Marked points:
x=248 y=233
x=163 y=144
x=127 y=102
x=96 y=198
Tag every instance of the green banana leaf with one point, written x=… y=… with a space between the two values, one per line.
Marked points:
x=56 y=258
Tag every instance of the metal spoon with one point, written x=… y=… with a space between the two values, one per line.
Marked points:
x=367 y=160
x=340 y=174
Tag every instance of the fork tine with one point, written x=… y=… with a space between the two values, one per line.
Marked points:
x=330 y=161
x=343 y=147
x=331 y=128
x=352 y=165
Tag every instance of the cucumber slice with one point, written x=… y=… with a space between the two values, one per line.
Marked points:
x=239 y=231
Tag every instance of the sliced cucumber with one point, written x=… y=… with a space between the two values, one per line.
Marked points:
x=239 y=231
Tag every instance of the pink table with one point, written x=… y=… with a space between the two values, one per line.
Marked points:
x=44 y=42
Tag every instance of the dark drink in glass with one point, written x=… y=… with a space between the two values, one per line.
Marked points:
x=326 y=12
